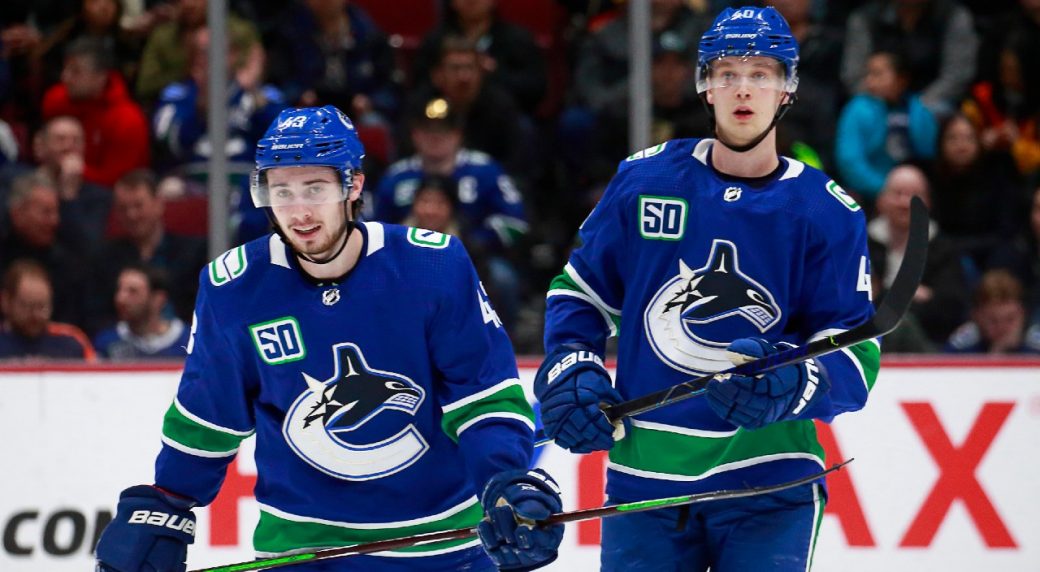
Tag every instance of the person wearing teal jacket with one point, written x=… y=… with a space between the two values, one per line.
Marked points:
x=882 y=127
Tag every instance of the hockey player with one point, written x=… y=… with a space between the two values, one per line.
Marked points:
x=373 y=371
x=702 y=254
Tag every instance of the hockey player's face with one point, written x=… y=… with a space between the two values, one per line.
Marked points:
x=308 y=205
x=746 y=93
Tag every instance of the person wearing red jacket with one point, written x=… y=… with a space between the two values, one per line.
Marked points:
x=114 y=125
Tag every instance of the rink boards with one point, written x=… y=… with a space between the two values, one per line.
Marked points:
x=946 y=476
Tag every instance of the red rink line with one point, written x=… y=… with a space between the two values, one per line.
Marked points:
x=905 y=361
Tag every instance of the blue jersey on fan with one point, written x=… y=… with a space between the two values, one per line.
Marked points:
x=678 y=260
x=378 y=413
x=488 y=198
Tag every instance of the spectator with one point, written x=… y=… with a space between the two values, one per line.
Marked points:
x=142 y=331
x=181 y=124
x=34 y=212
x=488 y=200
x=998 y=320
x=167 y=53
x=601 y=74
x=509 y=57
x=59 y=149
x=600 y=86
x=98 y=19
x=1007 y=111
x=938 y=37
x=138 y=210
x=808 y=130
x=434 y=207
x=978 y=196
x=1022 y=258
x=180 y=119
x=27 y=331
x=882 y=127
x=115 y=127
x=1020 y=25
x=492 y=122
x=331 y=52
x=677 y=112
x=940 y=303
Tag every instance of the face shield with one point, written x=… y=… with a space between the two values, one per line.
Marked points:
x=280 y=192
x=748 y=70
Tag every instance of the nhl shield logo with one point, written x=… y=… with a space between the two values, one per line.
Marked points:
x=693 y=316
x=328 y=425
x=330 y=296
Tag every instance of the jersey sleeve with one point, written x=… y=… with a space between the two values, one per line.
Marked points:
x=212 y=412
x=484 y=408
x=837 y=299
x=583 y=304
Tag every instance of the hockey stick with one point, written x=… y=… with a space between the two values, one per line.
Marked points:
x=884 y=320
x=560 y=518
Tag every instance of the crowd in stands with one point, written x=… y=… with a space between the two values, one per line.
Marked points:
x=498 y=121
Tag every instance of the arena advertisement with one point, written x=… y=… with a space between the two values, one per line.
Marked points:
x=944 y=477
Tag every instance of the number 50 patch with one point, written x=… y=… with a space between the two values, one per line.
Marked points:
x=662 y=218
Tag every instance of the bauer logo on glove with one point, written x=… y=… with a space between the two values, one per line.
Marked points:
x=157 y=518
x=569 y=360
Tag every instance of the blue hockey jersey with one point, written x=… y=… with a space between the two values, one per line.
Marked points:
x=488 y=198
x=679 y=260
x=381 y=405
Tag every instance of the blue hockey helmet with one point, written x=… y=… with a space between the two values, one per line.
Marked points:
x=745 y=32
x=308 y=136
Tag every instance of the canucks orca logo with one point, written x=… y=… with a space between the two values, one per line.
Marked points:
x=322 y=424
x=717 y=301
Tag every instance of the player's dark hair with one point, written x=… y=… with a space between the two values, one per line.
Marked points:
x=140 y=178
x=898 y=60
x=100 y=54
x=997 y=286
x=443 y=184
x=453 y=44
x=157 y=278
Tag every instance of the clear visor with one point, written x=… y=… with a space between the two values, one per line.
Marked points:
x=319 y=190
x=752 y=72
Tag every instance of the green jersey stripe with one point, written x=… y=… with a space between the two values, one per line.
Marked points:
x=564 y=285
x=612 y=323
x=279 y=532
x=580 y=283
x=677 y=456
x=184 y=411
x=819 y=503
x=182 y=427
x=867 y=357
x=509 y=401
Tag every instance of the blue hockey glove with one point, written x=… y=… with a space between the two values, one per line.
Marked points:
x=754 y=402
x=571 y=386
x=150 y=533
x=513 y=501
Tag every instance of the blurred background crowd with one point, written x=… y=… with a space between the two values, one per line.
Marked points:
x=500 y=122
